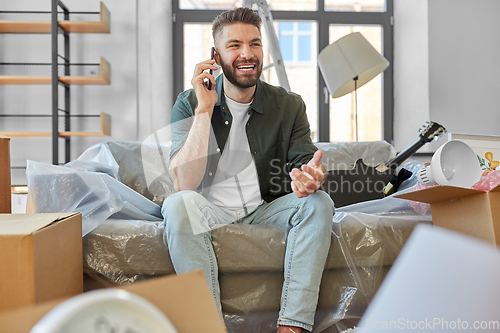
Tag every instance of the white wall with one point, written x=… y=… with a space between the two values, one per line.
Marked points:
x=155 y=66
x=411 y=70
x=138 y=99
x=446 y=67
x=464 y=65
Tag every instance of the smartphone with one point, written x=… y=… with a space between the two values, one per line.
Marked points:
x=208 y=83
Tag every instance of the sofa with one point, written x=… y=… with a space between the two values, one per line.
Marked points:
x=119 y=188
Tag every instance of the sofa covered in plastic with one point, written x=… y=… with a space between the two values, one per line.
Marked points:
x=119 y=188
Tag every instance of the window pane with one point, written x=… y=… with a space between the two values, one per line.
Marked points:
x=230 y=4
x=286 y=26
x=292 y=4
x=304 y=26
x=286 y=46
x=196 y=49
x=369 y=101
x=355 y=5
x=304 y=48
x=207 y=4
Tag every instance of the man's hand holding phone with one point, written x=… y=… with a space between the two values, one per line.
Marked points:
x=206 y=98
x=208 y=83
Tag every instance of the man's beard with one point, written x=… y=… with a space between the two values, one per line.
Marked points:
x=241 y=81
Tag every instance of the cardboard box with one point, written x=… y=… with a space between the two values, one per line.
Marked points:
x=471 y=212
x=5 y=201
x=185 y=299
x=40 y=258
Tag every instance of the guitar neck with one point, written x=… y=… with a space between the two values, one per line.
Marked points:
x=401 y=157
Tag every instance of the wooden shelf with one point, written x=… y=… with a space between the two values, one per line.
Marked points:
x=18 y=27
x=104 y=78
x=105 y=131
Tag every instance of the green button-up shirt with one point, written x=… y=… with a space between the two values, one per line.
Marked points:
x=277 y=131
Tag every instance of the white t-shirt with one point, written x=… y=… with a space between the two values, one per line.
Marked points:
x=236 y=185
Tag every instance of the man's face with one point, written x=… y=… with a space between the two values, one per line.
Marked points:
x=239 y=48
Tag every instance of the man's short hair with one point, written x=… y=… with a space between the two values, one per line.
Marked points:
x=238 y=15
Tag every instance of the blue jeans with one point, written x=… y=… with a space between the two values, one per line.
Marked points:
x=189 y=217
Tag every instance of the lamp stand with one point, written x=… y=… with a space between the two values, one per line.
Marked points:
x=356 y=105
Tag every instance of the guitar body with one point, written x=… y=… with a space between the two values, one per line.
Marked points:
x=361 y=183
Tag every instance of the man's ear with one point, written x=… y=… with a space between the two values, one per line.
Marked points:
x=216 y=57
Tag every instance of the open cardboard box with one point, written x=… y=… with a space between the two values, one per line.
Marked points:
x=40 y=258
x=471 y=212
x=185 y=299
x=5 y=200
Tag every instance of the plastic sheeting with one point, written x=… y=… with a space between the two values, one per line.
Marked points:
x=366 y=239
x=106 y=181
x=127 y=241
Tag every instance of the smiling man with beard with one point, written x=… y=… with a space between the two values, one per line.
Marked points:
x=242 y=153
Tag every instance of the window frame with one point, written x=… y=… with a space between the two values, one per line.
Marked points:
x=324 y=19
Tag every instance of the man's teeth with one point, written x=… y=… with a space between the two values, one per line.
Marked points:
x=246 y=67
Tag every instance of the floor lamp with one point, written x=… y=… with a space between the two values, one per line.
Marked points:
x=348 y=64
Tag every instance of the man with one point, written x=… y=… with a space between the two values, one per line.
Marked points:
x=238 y=173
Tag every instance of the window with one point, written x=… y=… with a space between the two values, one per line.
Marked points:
x=304 y=28
x=296 y=43
x=355 y=5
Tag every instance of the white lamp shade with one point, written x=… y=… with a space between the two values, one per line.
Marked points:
x=349 y=57
x=454 y=163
